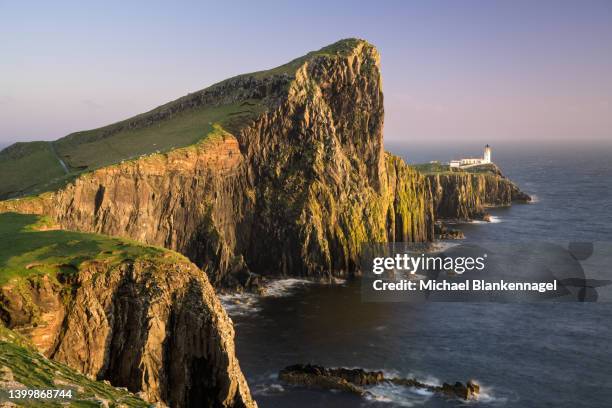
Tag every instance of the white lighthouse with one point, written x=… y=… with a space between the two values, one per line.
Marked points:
x=487 y=154
x=473 y=161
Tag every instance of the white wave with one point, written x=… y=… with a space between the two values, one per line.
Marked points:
x=240 y=304
x=431 y=380
x=534 y=199
x=441 y=246
x=423 y=392
x=378 y=398
x=283 y=287
x=487 y=396
x=495 y=219
x=397 y=395
x=403 y=396
x=268 y=389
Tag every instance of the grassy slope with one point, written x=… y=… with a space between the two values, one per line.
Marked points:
x=87 y=150
x=38 y=169
x=432 y=168
x=32 y=370
x=438 y=168
x=28 y=247
x=24 y=166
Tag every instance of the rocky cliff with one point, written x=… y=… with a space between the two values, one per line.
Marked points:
x=296 y=189
x=22 y=367
x=464 y=195
x=140 y=317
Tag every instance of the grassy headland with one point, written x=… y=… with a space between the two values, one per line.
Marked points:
x=30 y=246
x=36 y=167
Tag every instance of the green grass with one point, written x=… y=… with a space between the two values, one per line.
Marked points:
x=34 y=168
x=439 y=168
x=24 y=166
x=34 y=371
x=483 y=169
x=90 y=150
x=27 y=249
x=433 y=168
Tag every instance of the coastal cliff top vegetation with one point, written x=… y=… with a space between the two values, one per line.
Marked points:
x=30 y=245
x=440 y=168
x=36 y=167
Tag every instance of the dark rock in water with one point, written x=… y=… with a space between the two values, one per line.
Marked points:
x=241 y=279
x=521 y=197
x=441 y=231
x=358 y=376
x=463 y=391
x=313 y=376
x=353 y=380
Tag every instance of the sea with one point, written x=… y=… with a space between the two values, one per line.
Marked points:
x=538 y=354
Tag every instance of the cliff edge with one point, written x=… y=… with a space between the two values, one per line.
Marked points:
x=466 y=194
x=140 y=317
x=293 y=184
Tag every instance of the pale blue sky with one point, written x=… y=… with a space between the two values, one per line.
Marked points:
x=476 y=71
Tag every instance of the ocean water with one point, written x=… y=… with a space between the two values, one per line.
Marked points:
x=523 y=355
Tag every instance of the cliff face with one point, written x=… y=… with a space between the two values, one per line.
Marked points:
x=153 y=326
x=323 y=184
x=464 y=196
x=23 y=367
x=297 y=190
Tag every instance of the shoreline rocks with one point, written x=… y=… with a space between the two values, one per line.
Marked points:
x=442 y=232
x=353 y=380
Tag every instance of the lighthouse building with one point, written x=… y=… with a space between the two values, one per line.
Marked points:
x=474 y=161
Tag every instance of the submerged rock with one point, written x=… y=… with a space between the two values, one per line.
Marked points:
x=354 y=380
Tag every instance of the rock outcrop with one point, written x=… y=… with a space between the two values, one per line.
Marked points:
x=466 y=195
x=22 y=367
x=296 y=191
x=356 y=380
x=154 y=326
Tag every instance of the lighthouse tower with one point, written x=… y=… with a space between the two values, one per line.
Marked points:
x=487 y=154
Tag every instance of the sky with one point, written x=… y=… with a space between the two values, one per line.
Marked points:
x=453 y=71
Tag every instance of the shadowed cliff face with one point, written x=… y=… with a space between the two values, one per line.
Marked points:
x=154 y=327
x=323 y=185
x=296 y=191
x=465 y=196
